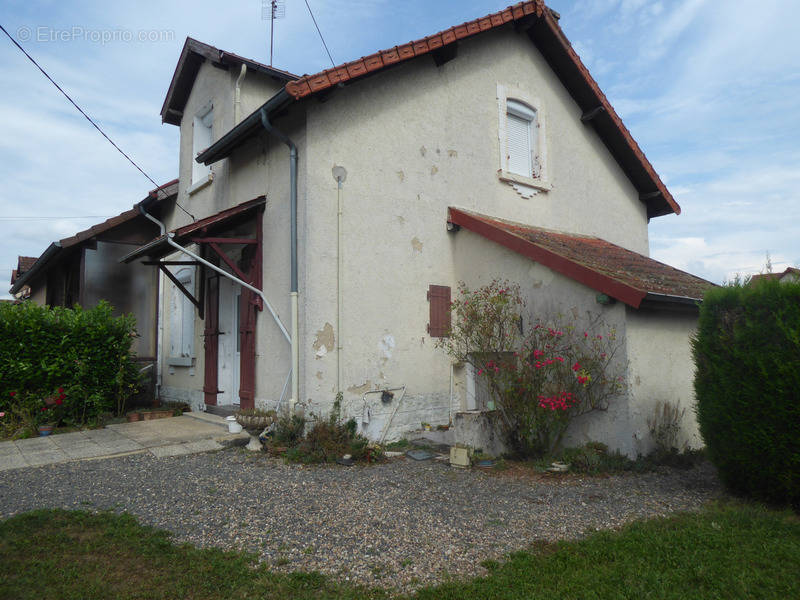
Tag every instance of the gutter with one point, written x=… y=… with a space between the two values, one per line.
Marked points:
x=40 y=263
x=251 y=125
x=666 y=298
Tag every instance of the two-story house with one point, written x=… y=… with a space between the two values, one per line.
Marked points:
x=352 y=201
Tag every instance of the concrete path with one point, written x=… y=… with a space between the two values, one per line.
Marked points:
x=187 y=434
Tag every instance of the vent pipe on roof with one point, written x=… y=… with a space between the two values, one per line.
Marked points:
x=295 y=397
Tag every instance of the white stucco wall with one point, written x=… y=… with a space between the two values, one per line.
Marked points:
x=244 y=177
x=661 y=369
x=414 y=140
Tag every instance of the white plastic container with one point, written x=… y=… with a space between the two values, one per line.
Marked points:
x=233 y=426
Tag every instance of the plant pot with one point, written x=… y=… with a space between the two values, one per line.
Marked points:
x=45 y=430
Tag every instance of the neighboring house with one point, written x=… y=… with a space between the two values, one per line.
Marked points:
x=484 y=151
x=24 y=264
x=790 y=275
x=84 y=269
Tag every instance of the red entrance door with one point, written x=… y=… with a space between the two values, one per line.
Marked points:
x=211 y=343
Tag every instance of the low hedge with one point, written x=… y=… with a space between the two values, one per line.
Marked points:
x=80 y=358
x=747 y=384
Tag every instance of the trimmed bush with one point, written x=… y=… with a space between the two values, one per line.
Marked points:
x=86 y=353
x=747 y=383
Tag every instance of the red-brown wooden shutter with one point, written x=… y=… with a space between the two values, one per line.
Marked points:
x=211 y=342
x=439 y=298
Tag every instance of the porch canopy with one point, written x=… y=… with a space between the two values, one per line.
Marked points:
x=206 y=233
x=239 y=230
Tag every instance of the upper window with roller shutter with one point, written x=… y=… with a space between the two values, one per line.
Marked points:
x=521 y=139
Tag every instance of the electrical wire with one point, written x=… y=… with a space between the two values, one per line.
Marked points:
x=320 y=34
x=54 y=218
x=88 y=118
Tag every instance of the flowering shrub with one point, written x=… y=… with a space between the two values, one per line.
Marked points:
x=540 y=381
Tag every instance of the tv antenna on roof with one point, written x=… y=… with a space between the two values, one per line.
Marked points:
x=272 y=9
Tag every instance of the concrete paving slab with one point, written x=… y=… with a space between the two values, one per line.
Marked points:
x=171 y=450
x=36 y=444
x=204 y=446
x=162 y=437
x=65 y=439
x=7 y=448
x=11 y=458
x=87 y=450
x=35 y=459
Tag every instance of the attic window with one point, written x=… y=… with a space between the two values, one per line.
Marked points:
x=522 y=140
x=521 y=129
x=201 y=139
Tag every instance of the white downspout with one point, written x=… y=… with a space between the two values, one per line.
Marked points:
x=340 y=175
x=237 y=98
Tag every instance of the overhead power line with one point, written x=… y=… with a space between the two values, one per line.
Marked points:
x=88 y=118
x=54 y=218
x=320 y=34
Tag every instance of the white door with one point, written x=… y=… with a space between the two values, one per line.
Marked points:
x=229 y=340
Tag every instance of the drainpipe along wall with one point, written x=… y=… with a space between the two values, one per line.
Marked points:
x=237 y=95
x=293 y=294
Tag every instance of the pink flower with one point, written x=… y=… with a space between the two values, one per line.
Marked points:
x=2 y=414
x=575 y=367
x=13 y=394
x=480 y=371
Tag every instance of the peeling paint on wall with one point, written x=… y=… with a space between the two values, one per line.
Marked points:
x=401 y=176
x=324 y=340
x=434 y=170
x=360 y=389
x=452 y=154
x=416 y=244
x=319 y=374
x=386 y=346
x=422 y=150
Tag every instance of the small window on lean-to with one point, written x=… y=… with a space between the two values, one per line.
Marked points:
x=521 y=139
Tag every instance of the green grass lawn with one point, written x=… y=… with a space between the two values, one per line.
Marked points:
x=726 y=551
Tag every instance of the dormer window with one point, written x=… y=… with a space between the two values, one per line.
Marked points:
x=201 y=139
x=522 y=141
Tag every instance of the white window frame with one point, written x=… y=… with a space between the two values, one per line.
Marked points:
x=520 y=103
x=182 y=321
x=202 y=138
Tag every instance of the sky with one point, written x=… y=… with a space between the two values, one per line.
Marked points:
x=708 y=89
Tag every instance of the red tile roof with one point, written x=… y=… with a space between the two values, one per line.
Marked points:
x=620 y=273
x=193 y=54
x=546 y=34
x=788 y=271
x=24 y=263
x=309 y=84
x=658 y=197
x=164 y=191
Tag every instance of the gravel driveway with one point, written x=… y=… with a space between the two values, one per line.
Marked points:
x=401 y=524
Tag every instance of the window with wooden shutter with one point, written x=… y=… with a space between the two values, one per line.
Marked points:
x=439 y=299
